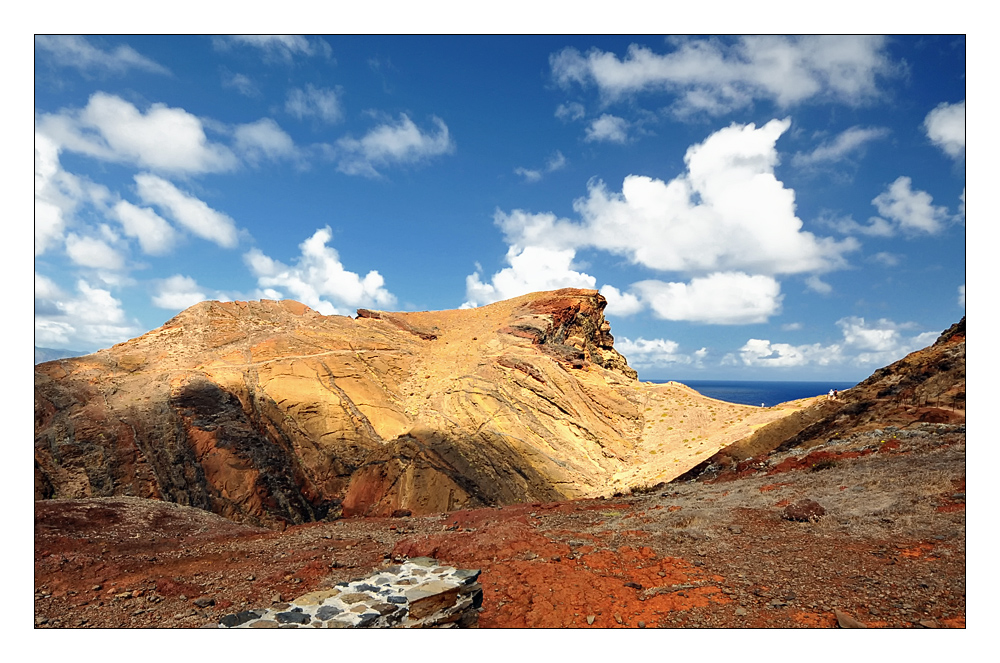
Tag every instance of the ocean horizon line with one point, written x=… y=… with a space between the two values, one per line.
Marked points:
x=761 y=393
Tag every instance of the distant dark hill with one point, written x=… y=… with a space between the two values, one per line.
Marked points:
x=50 y=354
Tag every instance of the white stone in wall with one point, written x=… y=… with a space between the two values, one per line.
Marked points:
x=419 y=593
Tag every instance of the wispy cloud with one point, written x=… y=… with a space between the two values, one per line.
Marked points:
x=277 y=47
x=556 y=162
x=76 y=52
x=241 y=83
x=264 y=140
x=849 y=142
x=816 y=284
x=570 y=111
x=321 y=103
x=155 y=235
x=187 y=210
x=886 y=258
x=392 y=143
x=608 y=128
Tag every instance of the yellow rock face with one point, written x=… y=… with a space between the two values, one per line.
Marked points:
x=270 y=412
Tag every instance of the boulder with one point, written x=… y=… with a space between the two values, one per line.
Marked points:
x=804 y=511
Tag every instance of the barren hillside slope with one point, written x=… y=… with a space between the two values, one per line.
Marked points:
x=270 y=413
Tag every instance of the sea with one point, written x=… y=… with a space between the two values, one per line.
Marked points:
x=768 y=393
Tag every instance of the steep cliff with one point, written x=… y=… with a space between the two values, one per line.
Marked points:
x=268 y=412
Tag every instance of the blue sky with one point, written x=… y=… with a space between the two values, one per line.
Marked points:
x=752 y=208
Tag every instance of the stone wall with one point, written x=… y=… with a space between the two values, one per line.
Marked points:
x=419 y=593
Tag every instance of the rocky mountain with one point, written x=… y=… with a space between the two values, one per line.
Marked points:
x=269 y=413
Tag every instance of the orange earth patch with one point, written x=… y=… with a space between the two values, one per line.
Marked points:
x=531 y=581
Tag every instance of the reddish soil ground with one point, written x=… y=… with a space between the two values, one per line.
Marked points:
x=890 y=551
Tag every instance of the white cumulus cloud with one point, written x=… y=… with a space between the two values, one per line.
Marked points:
x=945 y=126
x=711 y=77
x=188 y=211
x=53 y=203
x=728 y=212
x=58 y=195
x=864 y=344
x=93 y=252
x=621 y=303
x=263 y=140
x=911 y=210
x=880 y=338
x=89 y=319
x=162 y=138
x=155 y=235
x=178 y=292
x=390 y=144
x=881 y=342
x=722 y=298
x=728 y=222
x=657 y=352
x=608 y=128
x=761 y=352
x=318 y=278
x=532 y=269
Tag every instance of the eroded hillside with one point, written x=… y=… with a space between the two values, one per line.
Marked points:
x=270 y=413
